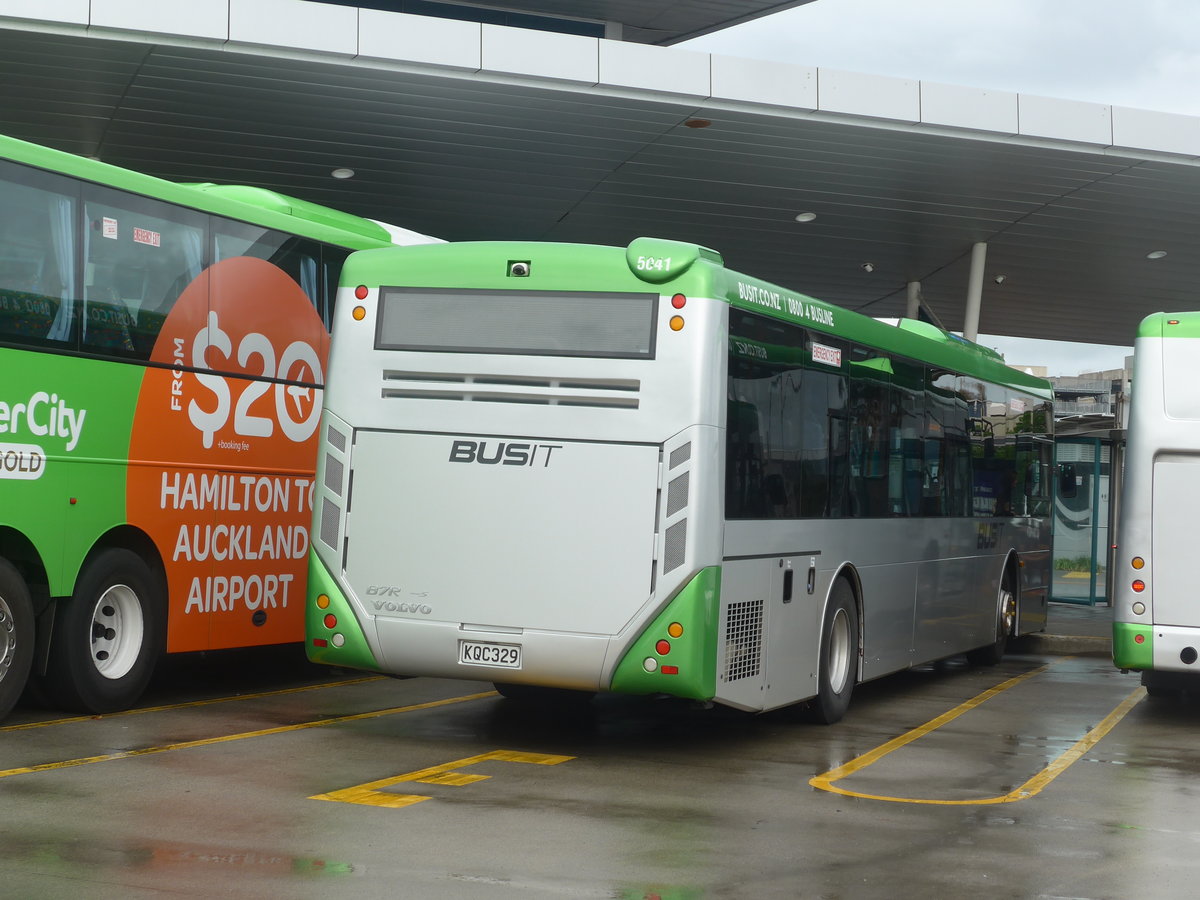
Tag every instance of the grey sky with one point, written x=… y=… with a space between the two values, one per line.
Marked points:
x=1142 y=54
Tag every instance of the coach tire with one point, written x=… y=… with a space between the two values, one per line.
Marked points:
x=107 y=636
x=839 y=654
x=1006 y=620
x=16 y=635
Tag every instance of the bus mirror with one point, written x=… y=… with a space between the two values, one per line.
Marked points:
x=1066 y=481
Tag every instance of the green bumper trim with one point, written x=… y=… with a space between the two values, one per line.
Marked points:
x=693 y=655
x=355 y=653
x=1127 y=652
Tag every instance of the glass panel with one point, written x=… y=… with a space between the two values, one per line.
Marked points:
x=787 y=441
x=140 y=256
x=577 y=323
x=298 y=257
x=38 y=279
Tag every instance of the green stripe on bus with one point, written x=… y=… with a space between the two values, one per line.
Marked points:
x=1128 y=653
x=689 y=668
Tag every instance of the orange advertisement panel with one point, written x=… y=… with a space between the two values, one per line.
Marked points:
x=221 y=467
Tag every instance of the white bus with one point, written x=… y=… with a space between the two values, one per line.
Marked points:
x=1156 y=604
x=633 y=470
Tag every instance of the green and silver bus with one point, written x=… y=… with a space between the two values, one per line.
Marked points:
x=162 y=350
x=1156 y=615
x=634 y=470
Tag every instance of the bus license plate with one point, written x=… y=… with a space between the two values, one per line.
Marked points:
x=478 y=653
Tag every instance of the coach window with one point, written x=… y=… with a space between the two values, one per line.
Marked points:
x=38 y=277
x=140 y=255
x=868 y=416
x=298 y=258
x=906 y=463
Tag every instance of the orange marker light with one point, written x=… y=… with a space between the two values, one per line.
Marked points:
x=322 y=601
x=676 y=323
x=1139 y=586
x=1138 y=562
x=675 y=630
x=360 y=292
x=359 y=313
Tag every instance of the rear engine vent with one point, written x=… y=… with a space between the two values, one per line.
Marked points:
x=329 y=523
x=675 y=546
x=620 y=393
x=743 y=640
x=681 y=455
x=677 y=493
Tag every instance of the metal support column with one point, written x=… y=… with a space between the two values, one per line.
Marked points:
x=974 y=292
x=913 y=309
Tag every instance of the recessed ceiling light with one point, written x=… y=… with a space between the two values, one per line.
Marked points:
x=868 y=267
x=1156 y=254
x=806 y=217
x=342 y=173
x=698 y=123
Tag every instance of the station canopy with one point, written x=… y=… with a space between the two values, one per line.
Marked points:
x=475 y=131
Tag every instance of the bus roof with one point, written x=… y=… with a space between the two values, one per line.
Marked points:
x=1164 y=325
x=248 y=204
x=675 y=267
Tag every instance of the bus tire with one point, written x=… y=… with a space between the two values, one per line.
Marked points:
x=16 y=636
x=839 y=654
x=108 y=636
x=1162 y=685
x=1006 y=622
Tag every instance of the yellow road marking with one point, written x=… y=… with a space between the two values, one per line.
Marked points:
x=227 y=738
x=371 y=793
x=1034 y=785
x=191 y=704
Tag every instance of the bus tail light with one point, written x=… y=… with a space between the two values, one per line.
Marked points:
x=662 y=648
x=670 y=670
x=679 y=301
x=360 y=292
x=330 y=621
x=1139 y=586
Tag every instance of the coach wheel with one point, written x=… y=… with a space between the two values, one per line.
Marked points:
x=108 y=636
x=1162 y=685
x=16 y=636
x=1006 y=623
x=839 y=653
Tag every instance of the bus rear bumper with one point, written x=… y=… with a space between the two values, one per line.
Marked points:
x=552 y=659
x=1163 y=648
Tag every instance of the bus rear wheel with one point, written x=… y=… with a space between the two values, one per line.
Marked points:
x=537 y=695
x=839 y=654
x=107 y=637
x=1006 y=623
x=16 y=635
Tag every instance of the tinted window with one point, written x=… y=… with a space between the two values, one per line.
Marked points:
x=38 y=277
x=140 y=255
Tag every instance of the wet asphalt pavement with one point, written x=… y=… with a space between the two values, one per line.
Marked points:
x=257 y=775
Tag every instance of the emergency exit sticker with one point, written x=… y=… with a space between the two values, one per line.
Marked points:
x=108 y=228
x=831 y=356
x=146 y=236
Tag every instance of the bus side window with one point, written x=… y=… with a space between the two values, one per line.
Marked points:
x=139 y=255
x=38 y=278
x=298 y=257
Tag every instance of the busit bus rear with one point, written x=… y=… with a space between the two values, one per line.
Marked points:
x=634 y=470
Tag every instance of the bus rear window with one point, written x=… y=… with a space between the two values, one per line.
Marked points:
x=568 y=323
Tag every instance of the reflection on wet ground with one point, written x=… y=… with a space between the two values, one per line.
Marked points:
x=646 y=797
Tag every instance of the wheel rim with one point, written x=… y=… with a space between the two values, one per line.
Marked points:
x=8 y=638
x=1008 y=612
x=839 y=651
x=117 y=628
